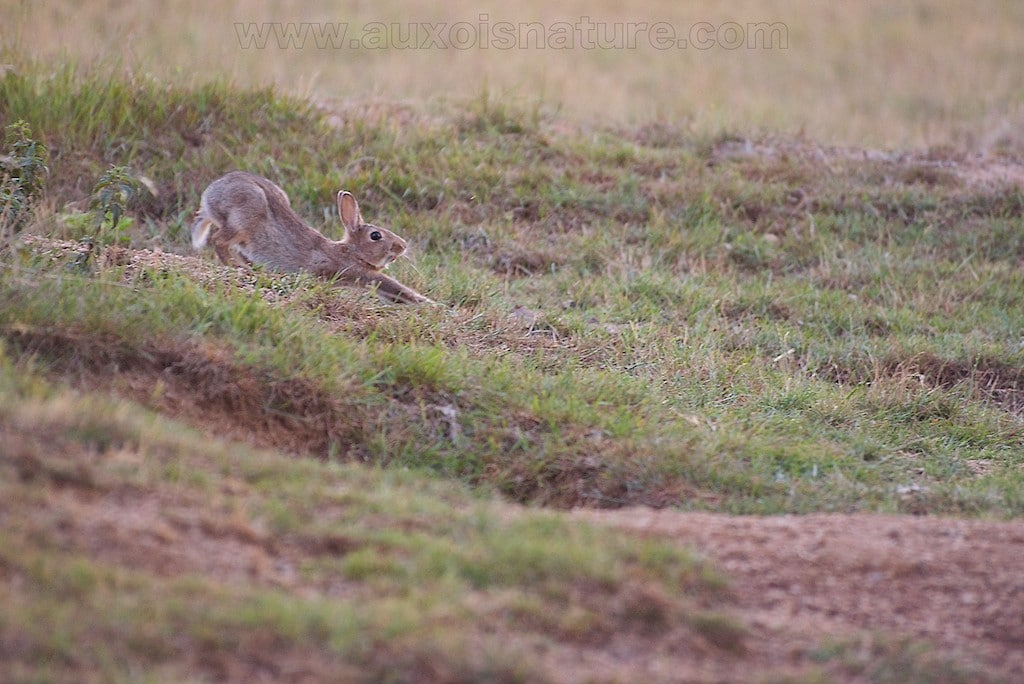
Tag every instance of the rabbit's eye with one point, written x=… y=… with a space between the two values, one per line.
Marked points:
x=375 y=235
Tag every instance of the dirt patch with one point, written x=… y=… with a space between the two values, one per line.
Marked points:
x=959 y=584
x=940 y=188
x=934 y=167
x=992 y=379
x=987 y=379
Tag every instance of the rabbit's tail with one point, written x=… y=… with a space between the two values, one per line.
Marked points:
x=201 y=227
x=201 y=231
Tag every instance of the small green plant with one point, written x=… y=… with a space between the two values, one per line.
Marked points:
x=116 y=189
x=22 y=174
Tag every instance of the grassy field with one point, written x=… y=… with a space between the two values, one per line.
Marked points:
x=203 y=466
x=868 y=73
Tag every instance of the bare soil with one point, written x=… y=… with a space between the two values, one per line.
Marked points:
x=958 y=584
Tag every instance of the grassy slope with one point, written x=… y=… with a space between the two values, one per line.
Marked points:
x=636 y=317
x=131 y=542
x=136 y=549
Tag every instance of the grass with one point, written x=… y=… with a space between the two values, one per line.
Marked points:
x=672 y=323
x=209 y=560
x=137 y=547
x=923 y=74
x=886 y=659
x=633 y=315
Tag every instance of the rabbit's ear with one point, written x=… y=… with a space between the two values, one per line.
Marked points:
x=348 y=209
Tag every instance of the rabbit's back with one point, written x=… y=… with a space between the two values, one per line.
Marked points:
x=256 y=219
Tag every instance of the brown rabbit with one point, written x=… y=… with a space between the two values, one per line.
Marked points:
x=256 y=225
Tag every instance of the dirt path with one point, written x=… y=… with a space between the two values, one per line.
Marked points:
x=959 y=584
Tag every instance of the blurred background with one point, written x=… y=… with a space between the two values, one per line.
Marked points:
x=909 y=74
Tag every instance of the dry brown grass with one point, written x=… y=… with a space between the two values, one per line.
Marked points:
x=917 y=73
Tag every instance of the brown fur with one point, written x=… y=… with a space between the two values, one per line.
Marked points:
x=255 y=224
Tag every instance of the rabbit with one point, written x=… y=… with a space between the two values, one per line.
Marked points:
x=255 y=224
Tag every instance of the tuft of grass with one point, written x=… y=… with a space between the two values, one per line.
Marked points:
x=883 y=658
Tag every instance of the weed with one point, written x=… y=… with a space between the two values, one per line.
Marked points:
x=113 y=193
x=22 y=176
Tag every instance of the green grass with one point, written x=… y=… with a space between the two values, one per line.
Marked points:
x=748 y=334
